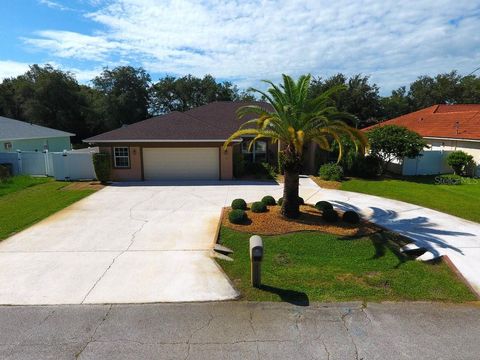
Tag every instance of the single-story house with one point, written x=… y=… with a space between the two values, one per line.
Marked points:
x=19 y=135
x=445 y=128
x=182 y=145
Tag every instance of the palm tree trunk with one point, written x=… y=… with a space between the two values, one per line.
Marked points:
x=290 y=205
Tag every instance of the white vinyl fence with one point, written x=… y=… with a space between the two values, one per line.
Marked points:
x=67 y=165
x=429 y=163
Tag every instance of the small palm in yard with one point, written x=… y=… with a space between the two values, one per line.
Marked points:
x=295 y=120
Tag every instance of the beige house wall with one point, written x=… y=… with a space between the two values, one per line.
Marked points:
x=226 y=163
x=135 y=171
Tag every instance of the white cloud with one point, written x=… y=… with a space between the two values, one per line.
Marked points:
x=251 y=40
x=55 y=5
x=9 y=68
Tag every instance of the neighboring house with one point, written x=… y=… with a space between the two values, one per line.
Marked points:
x=19 y=135
x=182 y=145
x=446 y=128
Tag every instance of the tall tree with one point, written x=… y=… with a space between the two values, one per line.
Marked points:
x=126 y=95
x=396 y=104
x=359 y=97
x=45 y=96
x=425 y=91
x=441 y=89
x=295 y=120
x=187 y=92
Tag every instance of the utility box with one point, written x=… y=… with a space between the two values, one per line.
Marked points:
x=256 y=257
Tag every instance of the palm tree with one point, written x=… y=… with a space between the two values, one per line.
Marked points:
x=295 y=120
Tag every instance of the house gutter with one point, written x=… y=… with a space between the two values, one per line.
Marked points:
x=447 y=138
x=155 y=141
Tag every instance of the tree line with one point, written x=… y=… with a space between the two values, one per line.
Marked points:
x=124 y=95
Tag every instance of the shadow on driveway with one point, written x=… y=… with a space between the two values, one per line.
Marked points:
x=419 y=229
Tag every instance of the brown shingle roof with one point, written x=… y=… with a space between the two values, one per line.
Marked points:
x=215 y=121
x=460 y=121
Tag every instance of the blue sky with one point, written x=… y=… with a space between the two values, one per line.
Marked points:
x=244 y=41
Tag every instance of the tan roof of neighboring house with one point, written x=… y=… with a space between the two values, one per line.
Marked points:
x=460 y=121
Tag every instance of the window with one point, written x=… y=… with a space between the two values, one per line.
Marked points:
x=257 y=153
x=260 y=153
x=121 y=157
x=7 y=146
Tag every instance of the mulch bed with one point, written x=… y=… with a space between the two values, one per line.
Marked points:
x=310 y=219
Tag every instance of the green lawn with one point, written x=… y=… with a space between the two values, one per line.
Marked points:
x=21 y=182
x=458 y=200
x=312 y=266
x=27 y=202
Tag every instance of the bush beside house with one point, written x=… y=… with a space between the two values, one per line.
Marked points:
x=103 y=167
x=459 y=161
x=393 y=142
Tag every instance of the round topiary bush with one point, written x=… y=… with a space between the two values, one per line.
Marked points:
x=351 y=217
x=323 y=205
x=237 y=216
x=280 y=201
x=269 y=200
x=258 y=207
x=239 y=204
x=330 y=215
x=331 y=172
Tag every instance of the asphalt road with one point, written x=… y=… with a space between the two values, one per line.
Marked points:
x=239 y=330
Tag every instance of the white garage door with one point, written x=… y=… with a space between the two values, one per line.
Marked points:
x=181 y=163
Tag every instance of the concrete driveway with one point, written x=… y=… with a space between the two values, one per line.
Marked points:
x=129 y=243
x=151 y=242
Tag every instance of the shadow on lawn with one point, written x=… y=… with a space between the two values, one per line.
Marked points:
x=420 y=229
x=291 y=296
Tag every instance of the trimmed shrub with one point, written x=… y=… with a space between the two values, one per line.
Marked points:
x=300 y=201
x=239 y=204
x=4 y=173
x=459 y=161
x=331 y=172
x=323 y=205
x=367 y=167
x=103 y=167
x=258 y=207
x=237 y=216
x=351 y=217
x=449 y=179
x=330 y=215
x=269 y=200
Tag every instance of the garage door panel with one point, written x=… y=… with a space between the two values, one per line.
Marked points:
x=181 y=163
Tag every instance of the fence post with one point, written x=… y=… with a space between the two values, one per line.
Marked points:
x=65 y=165
x=19 y=161
x=45 y=159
